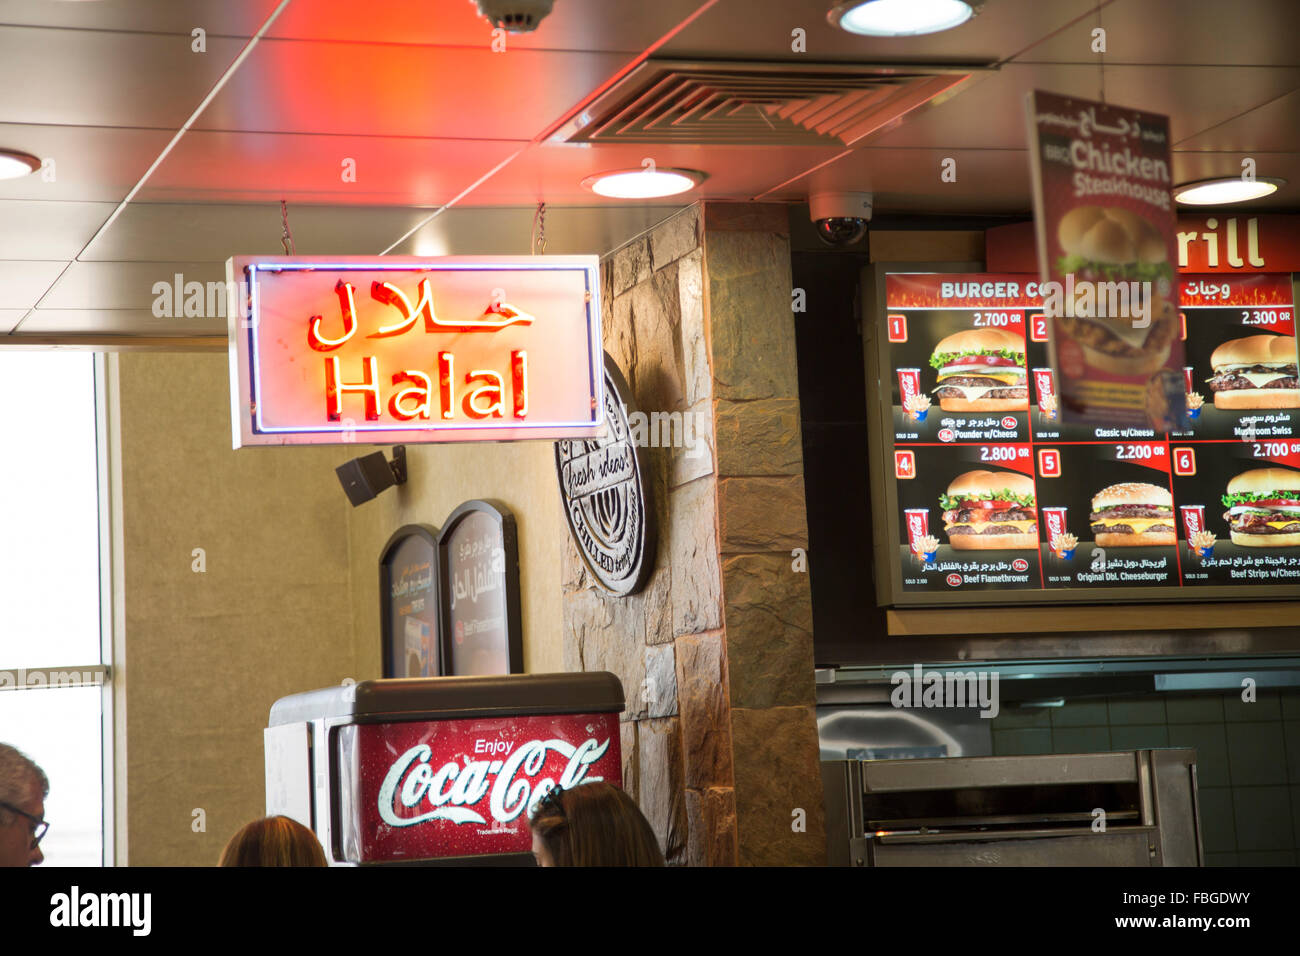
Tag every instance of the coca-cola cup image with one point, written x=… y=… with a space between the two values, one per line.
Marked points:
x=909 y=393
x=1045 y=386
x=919 y=539
x=1054 y=524
x=1193 y=522
x=1187 y=378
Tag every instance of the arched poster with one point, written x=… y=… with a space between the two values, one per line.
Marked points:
x=408 y=602
x=478 y=560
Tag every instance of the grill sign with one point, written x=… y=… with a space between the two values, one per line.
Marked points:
x=401 y=349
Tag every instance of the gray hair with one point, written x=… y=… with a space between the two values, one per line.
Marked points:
x=18 y=775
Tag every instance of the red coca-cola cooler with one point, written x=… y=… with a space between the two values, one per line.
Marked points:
x=438 y=770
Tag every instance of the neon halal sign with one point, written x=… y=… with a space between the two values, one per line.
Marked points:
x=404 y=349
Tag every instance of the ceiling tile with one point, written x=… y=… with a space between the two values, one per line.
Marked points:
x=382 y=90
x=554 y=173
x=229 y=17
x=1271 y=127
x=158 y=232
x=115 y=322
x=128 y=285
x=762 y=29
x=48 y=230
x=572 y=24
x=23 y=283
x=1209 y=32
x=505 y=230
x=89 y=78
x=9 y=318
x=90 y=163
x=262 y=167
x=990 y=113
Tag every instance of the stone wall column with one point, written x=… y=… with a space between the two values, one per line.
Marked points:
x=763 y=536
x=715 y=654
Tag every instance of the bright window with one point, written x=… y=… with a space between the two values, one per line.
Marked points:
x=51 y=643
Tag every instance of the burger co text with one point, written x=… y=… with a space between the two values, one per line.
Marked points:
x=1082 y=298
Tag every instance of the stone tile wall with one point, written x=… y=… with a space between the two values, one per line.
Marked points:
x=715 y=654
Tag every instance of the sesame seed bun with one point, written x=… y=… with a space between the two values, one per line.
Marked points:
x=971 y=340
x=1261 y=481
x=1132 y=493
x=982 y=482
x=1255 y=350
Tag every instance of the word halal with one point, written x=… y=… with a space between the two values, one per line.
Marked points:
x=415 y=399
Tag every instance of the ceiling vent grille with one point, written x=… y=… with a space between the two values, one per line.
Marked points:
x=774 y=104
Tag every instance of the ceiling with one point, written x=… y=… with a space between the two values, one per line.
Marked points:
x=453 y=143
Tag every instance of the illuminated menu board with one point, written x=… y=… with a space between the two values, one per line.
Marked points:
x=988 y=490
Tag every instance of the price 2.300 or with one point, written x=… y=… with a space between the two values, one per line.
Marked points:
x=1264 y=316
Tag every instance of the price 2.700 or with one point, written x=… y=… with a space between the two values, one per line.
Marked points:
x=993 y=319
x=1275 y=449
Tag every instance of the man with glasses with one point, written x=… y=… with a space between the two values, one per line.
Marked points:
x=23 y=789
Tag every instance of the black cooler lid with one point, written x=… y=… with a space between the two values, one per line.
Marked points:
x=446 y=698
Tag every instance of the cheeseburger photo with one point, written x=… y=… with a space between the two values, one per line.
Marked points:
x=1258 y=371
x=981 y=370
x=1264 y=508
x=1133 y=515
x=990 y=510
x=1102 y=244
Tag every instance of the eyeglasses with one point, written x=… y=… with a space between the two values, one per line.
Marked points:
x=40 y=828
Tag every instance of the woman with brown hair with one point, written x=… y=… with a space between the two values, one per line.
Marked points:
x=593 y=824
x=273 y=841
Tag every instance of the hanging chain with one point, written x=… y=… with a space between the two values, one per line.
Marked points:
x=539 y=230
x=286 y=238
x=1101 y=57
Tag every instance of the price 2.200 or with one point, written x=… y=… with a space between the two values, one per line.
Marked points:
x=1138 y=452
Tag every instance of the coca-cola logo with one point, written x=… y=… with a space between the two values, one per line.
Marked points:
x=453 y=791
x=916 y=524
x=1044 y=382
x=1019 y=564
x=954 y=580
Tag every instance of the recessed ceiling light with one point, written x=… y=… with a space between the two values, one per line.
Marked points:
x=651 y=183
x=14 y=165
x=901 y=18
x=1225 y=191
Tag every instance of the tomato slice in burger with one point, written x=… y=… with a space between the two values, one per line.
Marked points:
x=989 y=505
x=992 y=360
x=1272 y=503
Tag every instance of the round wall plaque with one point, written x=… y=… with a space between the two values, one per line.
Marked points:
x=604 y=495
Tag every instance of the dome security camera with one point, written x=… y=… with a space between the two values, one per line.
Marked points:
x=516 y=16
x=840 y=218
